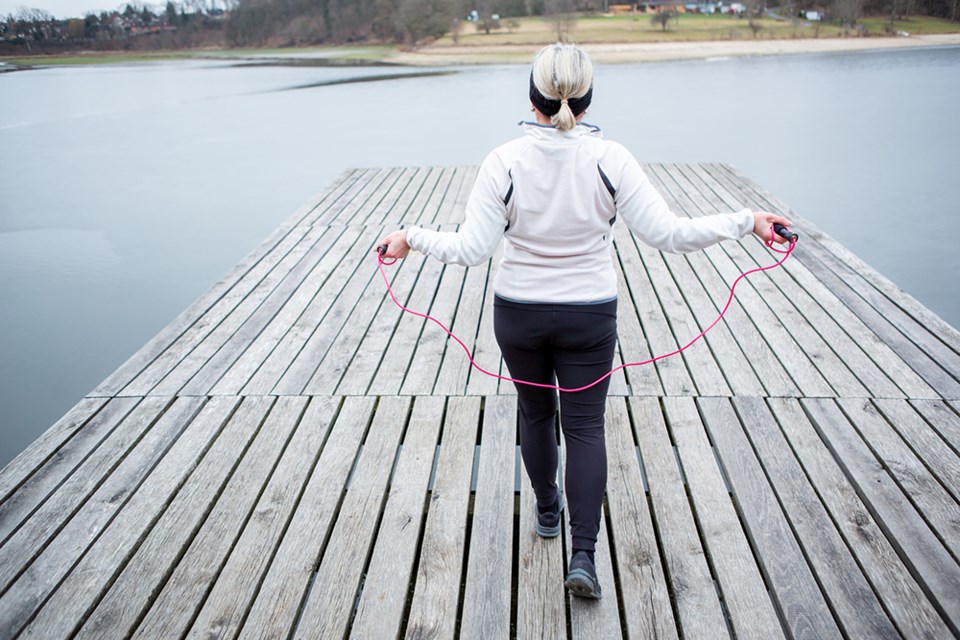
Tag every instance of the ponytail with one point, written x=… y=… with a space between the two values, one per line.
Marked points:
x=561 y=84
x=564 y=119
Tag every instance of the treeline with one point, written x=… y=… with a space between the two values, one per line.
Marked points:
x=195 y=23
x=311 y=22
x=178 y=25
x=291 y=22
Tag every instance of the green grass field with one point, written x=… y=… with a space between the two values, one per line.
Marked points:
x=914 y=26
x=688 y=27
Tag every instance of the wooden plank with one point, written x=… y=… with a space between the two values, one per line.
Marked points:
x=426 y=211
x=238 y=301
x=255 y=261
x=778 y=536
x=410 y=215
x=398 y=354
x=360 y=371
x=455 y=367
x=929 y=369
x=433 y=343
x=904 y=600
x=637 y=558
x=336 y=361
x=918 y=546
x=74 y=598
x=399 y=213
x=81 y=431
x=455 y=213
x=120 y=609
x=442 y=200
x=701 y=363
x=896 y=306
x=631 y=342
x=925 y=443
x=338 y=580
x=408 y=180
x=243 y=335
x=744 y=593
x=176 y=604
x=367 y=200
x=228 y=602
x=47 y=521
x=750 y=254
x=775 y=378
x=297 y=358
x=541 y=603
x=277 y=604
x=736 y=369
x=740 y=376
x=288 y=342
x=949 y=334
x=695 y=595
x=433 y=610
x=841 y=330
x=776 y=326
x=878 y=350
x=938 y=507
x=672 y=371
x=387 y=581
x=486 y=599
x=45 y=451
x=769 y=370
x=357 y=190
x=331 y=198
x=945 y=421
x=27 y=592
x=486 y=351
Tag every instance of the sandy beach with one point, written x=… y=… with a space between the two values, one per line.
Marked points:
x=663 y=51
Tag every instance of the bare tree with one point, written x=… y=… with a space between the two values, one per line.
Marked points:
x=560 y=14
x=848 y=11
x=421 y=19
x=663 y=17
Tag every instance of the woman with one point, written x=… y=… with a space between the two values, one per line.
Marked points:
x=554 y=195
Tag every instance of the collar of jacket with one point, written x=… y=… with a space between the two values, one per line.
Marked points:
x=549 y=132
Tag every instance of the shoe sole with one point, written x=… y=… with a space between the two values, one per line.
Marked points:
x=580 y=584
x=550 y=532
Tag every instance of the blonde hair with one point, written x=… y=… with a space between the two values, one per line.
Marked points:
x=563 y=72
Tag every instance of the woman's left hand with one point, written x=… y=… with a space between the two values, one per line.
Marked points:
x=397 y=246
x=763 y=226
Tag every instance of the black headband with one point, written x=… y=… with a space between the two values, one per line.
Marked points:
x=550 y=107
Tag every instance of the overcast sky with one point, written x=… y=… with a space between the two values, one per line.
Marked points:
x=62 y=8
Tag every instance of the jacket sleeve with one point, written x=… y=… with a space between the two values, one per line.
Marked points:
x=484 y=222
x=649 y=217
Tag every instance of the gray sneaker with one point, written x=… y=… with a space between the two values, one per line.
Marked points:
x=548 y=524
x=582 y=577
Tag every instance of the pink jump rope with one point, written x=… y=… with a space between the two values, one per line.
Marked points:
x=778 y=228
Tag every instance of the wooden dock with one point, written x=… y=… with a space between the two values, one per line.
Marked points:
x=292 y=457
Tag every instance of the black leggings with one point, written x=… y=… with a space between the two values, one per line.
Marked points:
x=573 y=345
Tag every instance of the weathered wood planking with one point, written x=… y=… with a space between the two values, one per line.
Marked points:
x=294 y=457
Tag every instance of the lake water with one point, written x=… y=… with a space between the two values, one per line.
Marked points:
x=127 y=191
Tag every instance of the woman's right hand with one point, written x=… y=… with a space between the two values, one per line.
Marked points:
x=396 y=243
x=763 y=226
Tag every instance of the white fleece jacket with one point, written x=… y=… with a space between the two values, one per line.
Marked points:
x=545 y=192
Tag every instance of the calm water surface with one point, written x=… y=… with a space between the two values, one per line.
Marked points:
x=127 y=191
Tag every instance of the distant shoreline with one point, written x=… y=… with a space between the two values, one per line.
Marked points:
x=446 y=55
x=635 y=52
